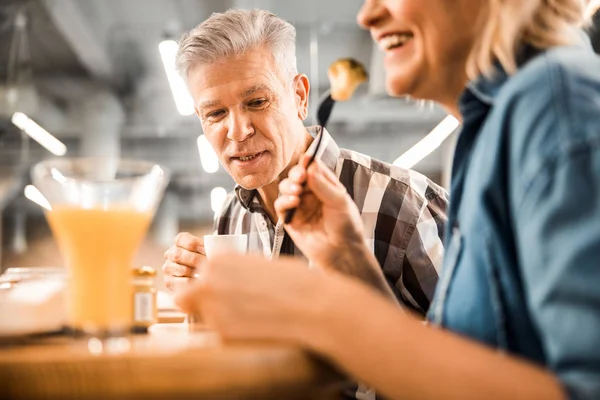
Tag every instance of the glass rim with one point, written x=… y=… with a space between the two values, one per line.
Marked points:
x=45 y=167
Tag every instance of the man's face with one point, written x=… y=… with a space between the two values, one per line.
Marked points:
x=249 y=115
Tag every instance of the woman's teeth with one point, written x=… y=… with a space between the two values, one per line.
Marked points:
x=392 y=41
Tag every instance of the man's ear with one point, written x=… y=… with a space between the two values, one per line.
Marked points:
x=301 y=88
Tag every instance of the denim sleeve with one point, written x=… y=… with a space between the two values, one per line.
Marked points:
x=559 y=241
x=556 y=214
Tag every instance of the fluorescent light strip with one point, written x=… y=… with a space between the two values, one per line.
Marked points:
x=208 y=157
x=33 y=194
x=217 y=198
x=592 y=8
x=429 y=143
x=181 y=95
x=39 y=134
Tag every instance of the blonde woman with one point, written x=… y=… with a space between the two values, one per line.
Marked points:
x=516 y=314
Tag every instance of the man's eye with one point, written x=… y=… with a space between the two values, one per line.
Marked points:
x=257 y=103
x=215 y=114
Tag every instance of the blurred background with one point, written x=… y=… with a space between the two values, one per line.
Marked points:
x=90 y=73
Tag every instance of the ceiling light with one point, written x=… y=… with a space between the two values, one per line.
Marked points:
x=181 y=95
x=217 y=198
x=208 y=157
x=33 y=194
x=39 y=134
x=429 y=143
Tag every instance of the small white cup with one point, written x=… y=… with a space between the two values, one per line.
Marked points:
x=218 y=244
x=213 y=245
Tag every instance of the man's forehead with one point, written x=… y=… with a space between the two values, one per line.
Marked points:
x=239 y=89
x=210 y=88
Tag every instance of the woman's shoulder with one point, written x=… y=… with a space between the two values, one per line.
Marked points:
x=565 y=73
x=557 y=91
x=551 y=109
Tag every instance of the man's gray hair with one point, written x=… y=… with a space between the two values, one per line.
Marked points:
x=236 y=32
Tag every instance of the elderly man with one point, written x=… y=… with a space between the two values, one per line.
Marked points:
x=240 y=67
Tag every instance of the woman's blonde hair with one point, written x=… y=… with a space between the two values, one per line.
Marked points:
x=509 y=24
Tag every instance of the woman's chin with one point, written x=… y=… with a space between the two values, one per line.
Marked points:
x=410 y=84
x=399 y=87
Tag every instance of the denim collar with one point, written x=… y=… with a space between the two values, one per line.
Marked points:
x=486 y=88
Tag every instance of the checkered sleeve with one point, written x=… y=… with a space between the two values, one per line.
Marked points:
x=424 y=252
x=404 y=214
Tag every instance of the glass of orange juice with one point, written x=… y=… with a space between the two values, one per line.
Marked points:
x=99 y=210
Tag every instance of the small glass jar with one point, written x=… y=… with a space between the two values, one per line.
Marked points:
x=145 y=311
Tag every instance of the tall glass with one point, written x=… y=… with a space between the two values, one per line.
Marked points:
x=99 y=212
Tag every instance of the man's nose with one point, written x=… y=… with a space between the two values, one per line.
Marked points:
x=240 y=127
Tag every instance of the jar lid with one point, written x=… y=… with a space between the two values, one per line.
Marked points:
x=144 y=271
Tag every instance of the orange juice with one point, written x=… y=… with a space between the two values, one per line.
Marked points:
x=98 y=246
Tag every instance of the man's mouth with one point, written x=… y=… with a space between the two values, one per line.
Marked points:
x=394 y=40
x=248 y=157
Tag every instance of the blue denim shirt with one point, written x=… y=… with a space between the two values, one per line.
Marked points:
x=522 y=263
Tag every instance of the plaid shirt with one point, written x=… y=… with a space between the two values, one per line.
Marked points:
x=403 y=214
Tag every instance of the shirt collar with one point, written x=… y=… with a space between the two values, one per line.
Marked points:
x=486 y=88
x=329 y=153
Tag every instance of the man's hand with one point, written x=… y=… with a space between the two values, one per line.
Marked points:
x=183 y=260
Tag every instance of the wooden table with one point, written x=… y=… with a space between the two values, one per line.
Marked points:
x=169 y=362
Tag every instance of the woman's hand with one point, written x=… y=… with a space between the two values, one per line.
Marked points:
x=327 y=224
x=250 y=297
